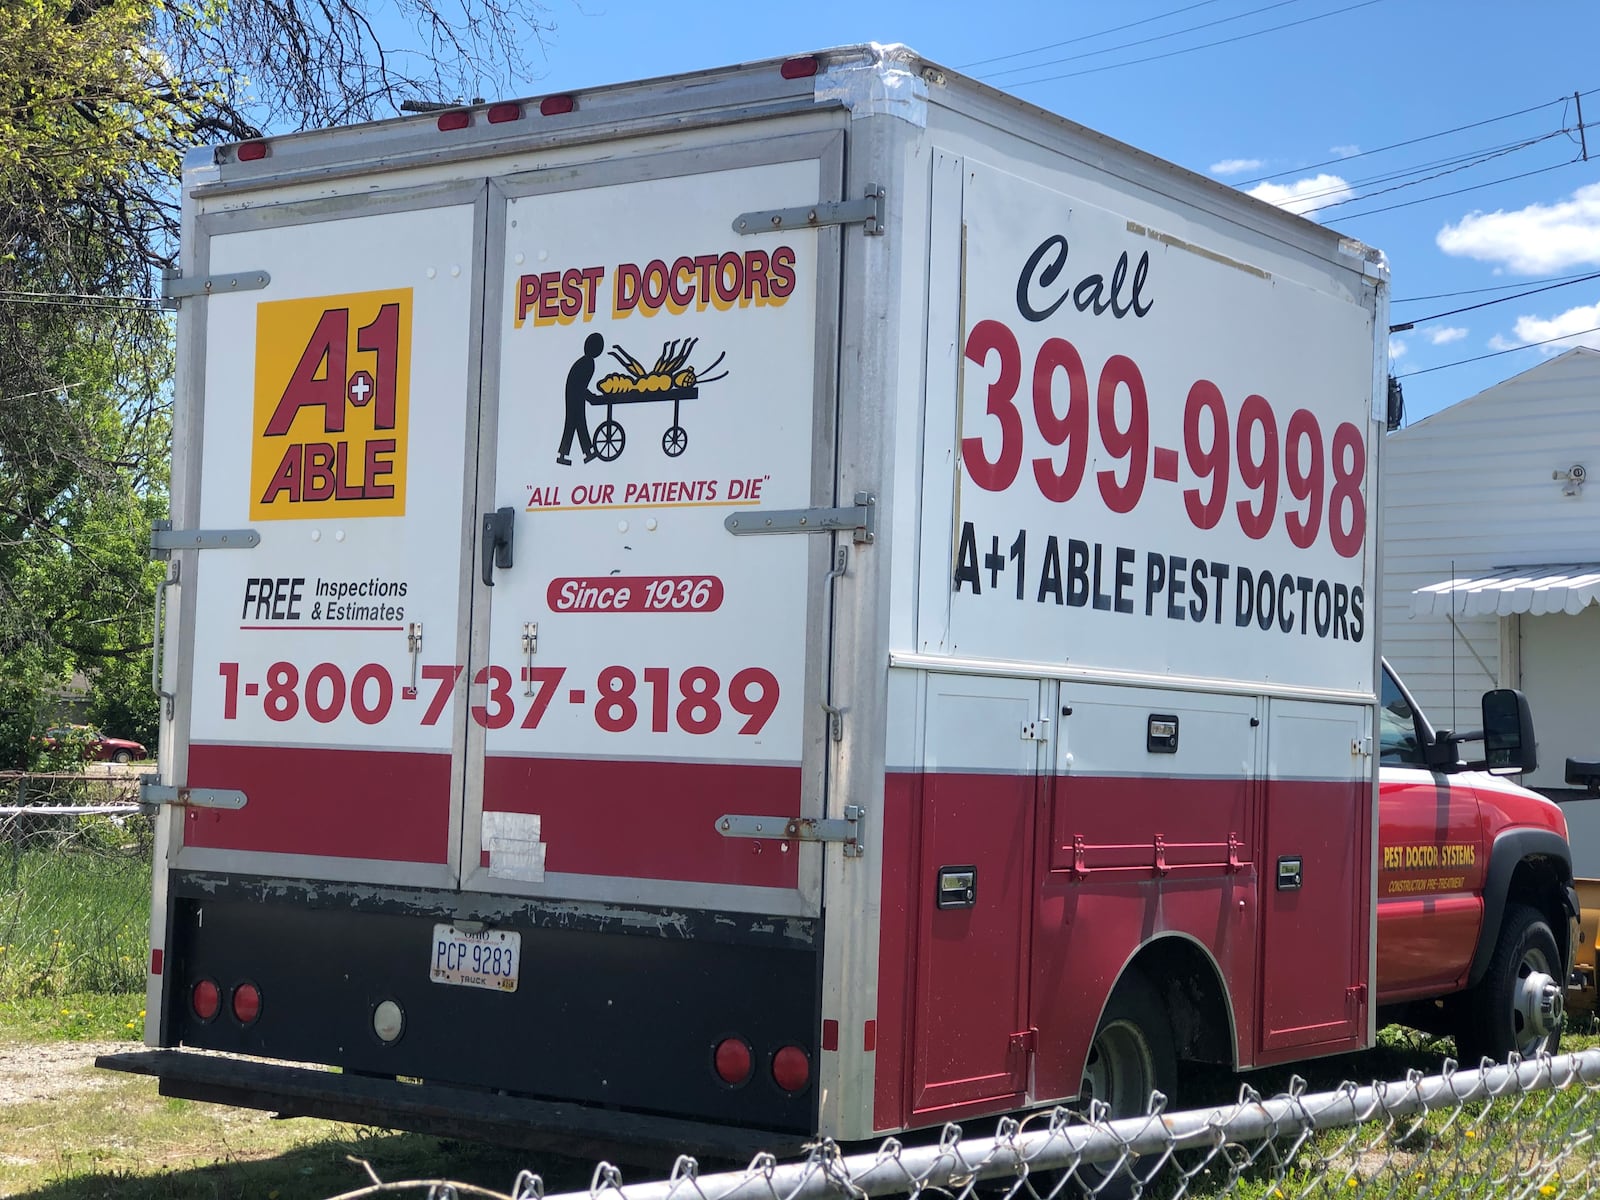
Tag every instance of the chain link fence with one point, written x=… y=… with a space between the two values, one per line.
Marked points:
x=75 y=855
x=1523 y=1129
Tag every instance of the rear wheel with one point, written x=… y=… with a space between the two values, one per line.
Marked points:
x=1519 y=1004
x=122 y=756
x=1131 y=1056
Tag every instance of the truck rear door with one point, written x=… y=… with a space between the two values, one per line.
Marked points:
x=638 y=670
x=339 y=384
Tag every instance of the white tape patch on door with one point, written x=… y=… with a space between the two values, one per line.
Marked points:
x=511 y=841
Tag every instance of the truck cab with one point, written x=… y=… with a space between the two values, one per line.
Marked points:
x=1477 y=914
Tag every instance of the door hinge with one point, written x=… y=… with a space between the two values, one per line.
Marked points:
x=858 y=520
x=152 y=795
x=1356 y=996
x=1036 y=730
x=849 y=830
x=1026 y=1042
x=164 y=539
x=174 y=287
x=866 y=212
x=1361 y=747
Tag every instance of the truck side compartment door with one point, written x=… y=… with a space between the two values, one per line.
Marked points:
x=977 y=820
x=1316 y=922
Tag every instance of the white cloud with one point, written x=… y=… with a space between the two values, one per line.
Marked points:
x=1574 y=327
x=1236 y=166
x=1443 y=335
x=1304 y=194
x=1397 y=348
x=1344 y=151
x=1535 y=240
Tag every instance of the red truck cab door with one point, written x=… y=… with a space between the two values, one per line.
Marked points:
x=1431 y=861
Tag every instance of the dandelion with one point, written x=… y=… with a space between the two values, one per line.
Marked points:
x=131 y=1025
x=1547 y=1190
x=1472 y=1133
x=1352 y=1182
x=66 y=1012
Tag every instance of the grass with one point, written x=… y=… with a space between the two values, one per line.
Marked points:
x=74 y=899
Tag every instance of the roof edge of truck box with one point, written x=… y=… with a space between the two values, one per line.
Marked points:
x=843 y=76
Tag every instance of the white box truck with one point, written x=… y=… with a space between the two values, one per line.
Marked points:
x=809 y=598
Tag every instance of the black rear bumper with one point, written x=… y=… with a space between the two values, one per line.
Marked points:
x=574 y=1130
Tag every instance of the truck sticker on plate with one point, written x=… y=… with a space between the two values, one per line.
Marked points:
x=332 y=389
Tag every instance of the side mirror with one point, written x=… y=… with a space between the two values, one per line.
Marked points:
x=1508 y=741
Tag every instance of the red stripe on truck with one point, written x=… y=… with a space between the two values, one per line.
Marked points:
x=650 y=820
x=388 y=805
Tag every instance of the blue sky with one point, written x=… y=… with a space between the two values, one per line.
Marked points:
x=1304 y=93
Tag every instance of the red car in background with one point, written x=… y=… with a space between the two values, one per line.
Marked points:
x=96 y=745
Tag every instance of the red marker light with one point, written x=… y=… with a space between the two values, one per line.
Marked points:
x=252 y=151
x=456 y=118
x=733 y=1061
x=501 y=113
x=206 y=999
x=800 y=68
x=246 y=1003
x=791 y=1069
x=554 y=106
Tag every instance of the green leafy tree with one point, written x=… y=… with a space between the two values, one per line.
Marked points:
x=99 y=100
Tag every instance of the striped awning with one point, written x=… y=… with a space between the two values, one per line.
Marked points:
x=1505 y=591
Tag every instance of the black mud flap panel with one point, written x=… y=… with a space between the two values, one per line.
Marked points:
x=444 y=1111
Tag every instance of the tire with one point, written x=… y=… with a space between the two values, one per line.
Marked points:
x=122 y=756
x=1131 y=1056
x=1513 y=1008
x=675 y=441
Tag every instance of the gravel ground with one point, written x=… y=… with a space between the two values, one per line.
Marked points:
x=51 y=1070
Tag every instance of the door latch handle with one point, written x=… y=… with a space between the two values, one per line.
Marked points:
x=496 y=542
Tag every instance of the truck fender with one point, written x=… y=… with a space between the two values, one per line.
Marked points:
x=1510 y=850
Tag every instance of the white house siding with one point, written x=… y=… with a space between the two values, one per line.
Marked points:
x=1469 y=489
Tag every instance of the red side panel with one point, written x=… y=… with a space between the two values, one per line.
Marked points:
x=650 y=820
x=1314 y=937
x=387 y=805
x=1110 y=887
x=971 y=964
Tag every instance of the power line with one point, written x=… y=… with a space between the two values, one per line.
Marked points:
x=1454 y=162
x=1084 y=37
x=79 y=300
x=1134 y=62
x=1457 y=192
x=1497 y=353
x=1501 y=300
x=1465 y=166
x=1426 y=137
x=1158 y=37
x=1500 y=287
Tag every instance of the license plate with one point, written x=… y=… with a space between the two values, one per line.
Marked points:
x=490 y=959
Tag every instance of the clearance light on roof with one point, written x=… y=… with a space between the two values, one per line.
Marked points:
x=800 y=68
x=554 y=106
x=501 y=113
x=456 y=118
x=252 y=151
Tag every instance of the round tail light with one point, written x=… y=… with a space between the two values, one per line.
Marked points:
x=791 y=1069
x=733 y=1061
x=206 y=999
x=246 y=1003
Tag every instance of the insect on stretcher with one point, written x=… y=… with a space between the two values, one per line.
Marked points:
x=671 y=378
